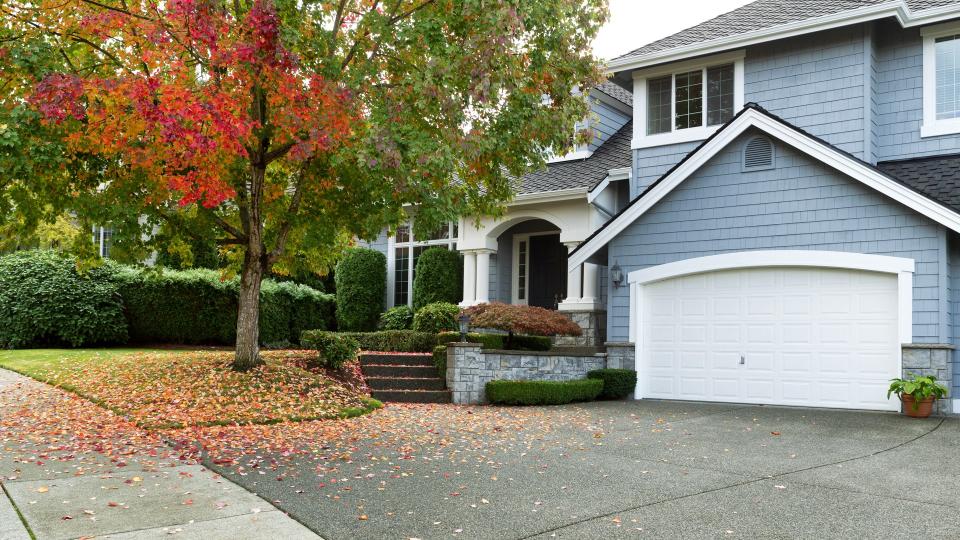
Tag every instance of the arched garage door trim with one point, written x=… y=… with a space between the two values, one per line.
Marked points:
x=903 y=268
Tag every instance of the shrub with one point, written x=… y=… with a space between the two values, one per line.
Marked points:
x=44 y=300
x=436 y=317
x=397 y=318
x=543 y=392
x=361 y=283
x=617 y=383
x=530 y=320
x=437 y=278
x=440 y=360
x=334 y=350
x=387 y=340
x=498 y=341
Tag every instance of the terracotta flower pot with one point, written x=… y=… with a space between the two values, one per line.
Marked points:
x=917 y=409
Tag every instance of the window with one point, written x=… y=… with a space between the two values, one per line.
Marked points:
x=402 y=257
x=941 y=80
x=688 y=102
x=103 y=240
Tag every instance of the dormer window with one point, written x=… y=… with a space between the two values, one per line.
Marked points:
x=941 y=80
x=686 y=101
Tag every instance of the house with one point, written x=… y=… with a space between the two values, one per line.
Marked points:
x=769 y=212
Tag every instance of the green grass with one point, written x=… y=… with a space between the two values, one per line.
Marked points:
x=34 y=362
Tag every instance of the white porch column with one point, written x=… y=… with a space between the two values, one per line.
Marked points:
x=590 y=273
x=573 y=279
x=469 y=278
x=483 y=276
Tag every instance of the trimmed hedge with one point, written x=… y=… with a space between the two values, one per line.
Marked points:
x=385 y=341
x=437 y=278
x=334 y=350
x=45 y=301
x=498 y=341
x=397 y=318
x=437 y=317
x=543 y=392
x=617 y=383
x=440 y=360
x=361 y=283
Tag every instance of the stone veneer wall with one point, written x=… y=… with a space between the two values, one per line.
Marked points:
x=621 y=355
x=470 y=368
x=930 y=359
x=593 y=324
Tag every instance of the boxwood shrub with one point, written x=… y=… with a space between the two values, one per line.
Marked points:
x=543 y=392
x=361 y=283
x=436 y=317
x=386 y=341
x=397 y=318
x=440 y=360
x=617 y=383
x=437 y=278
x=333 y=349
x=44 y=300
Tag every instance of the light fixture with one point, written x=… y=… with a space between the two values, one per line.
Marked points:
x=464 y=321
x=616 y=275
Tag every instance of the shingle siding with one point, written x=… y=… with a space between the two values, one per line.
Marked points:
x=606 y=121
x=954 y=265
x=800 y=204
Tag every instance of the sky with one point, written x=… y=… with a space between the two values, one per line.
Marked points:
x=634 y=23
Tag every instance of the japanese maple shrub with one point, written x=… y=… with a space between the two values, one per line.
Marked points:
x=528 y=320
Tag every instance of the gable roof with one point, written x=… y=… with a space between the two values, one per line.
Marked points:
x=766 y=20
x=585 y=173
x=616 y=92
x=937 y=177
x=754 y=116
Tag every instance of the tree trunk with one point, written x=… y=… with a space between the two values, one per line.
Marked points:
x=247 y=355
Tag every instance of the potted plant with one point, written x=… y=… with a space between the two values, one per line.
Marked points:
x=917 y=394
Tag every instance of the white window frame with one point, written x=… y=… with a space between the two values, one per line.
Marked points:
x=931 y=127
x=450 y=243
x=102 y=242
x=515 y=266
x=640 y=78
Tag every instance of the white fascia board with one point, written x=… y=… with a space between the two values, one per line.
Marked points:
x=613 y=175
x=549 y=196
x=815 y=149
x=573 y=155
x=897 y=9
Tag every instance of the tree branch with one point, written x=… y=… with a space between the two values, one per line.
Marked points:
x=287 y=224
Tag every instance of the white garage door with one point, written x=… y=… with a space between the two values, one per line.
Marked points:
x=790 y=336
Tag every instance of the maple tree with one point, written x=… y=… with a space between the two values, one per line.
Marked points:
x=282 y=129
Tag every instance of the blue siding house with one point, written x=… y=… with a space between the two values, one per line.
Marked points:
x=769 y=211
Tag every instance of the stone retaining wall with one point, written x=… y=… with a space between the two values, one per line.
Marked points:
x=470 y=368
x=593 y=324
x=930 y=359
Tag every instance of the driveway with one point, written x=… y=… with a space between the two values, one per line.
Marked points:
x=622 y=469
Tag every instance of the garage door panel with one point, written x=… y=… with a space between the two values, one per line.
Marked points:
x=813 y=337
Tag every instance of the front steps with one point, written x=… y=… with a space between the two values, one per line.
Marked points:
x=404 y=378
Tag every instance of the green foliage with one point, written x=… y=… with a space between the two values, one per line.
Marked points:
x=334 y=349
x=543 y=392
x=397 y=318
x=499 y=341
x=918 y=386
x=617 y=383
x=385 y=341
x=44 y=300
x=436 y=317
x=361 y=278
x=437 y=278
x=440 y=360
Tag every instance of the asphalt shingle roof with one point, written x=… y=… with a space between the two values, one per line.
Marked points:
x=936 y=177
x=616 y=92
x=764 y=14
x=614 y=153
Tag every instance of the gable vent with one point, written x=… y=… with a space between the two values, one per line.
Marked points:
x=758 y=154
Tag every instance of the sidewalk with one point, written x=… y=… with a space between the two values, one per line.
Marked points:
x=72 y=476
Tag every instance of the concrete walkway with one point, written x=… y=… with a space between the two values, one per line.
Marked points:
x=95 y=496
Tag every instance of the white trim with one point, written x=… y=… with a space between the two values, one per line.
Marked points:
x=897 y=9
x=903 y=268
x=827 y=155
x=579 y=154
x=613 y=175
x=931 y=126
x=956 y=406
x=451 y=243
x=391 y=271
x=515 y=265
x=550 y=196
x=640 y=137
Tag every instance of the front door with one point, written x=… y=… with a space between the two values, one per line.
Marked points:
x=548 y=271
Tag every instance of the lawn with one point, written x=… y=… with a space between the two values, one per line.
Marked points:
x=160 y=389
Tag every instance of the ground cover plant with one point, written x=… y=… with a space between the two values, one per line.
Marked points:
x=169 y=389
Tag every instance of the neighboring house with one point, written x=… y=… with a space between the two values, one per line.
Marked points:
x=786 y=200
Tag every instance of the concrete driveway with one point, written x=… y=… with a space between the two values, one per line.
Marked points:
x=628 y=469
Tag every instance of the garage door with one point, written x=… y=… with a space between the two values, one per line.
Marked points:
x=789 y=336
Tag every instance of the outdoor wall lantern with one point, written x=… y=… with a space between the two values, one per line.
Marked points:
x=616 y=275
x=464 y=321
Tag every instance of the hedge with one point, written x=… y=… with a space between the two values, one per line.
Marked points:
x=45 y=301
x=543 y=392
x=333 y=349
x=440 y=360
x=617 y=383
x=436 y=317
x=386 y=341
x=361 y=284
x=397 y=318
x=498 y=341
x=437 y=278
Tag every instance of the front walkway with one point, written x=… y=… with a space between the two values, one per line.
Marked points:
x=74 y=470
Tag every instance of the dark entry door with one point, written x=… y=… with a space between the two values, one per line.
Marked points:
x=548 y=271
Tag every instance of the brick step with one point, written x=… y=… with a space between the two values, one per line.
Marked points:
x=412 y=396
x=412 y=372
x=396 y=359
x=395 y=383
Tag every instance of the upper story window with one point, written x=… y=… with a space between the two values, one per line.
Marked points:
x=941 y=80
x=686 y=101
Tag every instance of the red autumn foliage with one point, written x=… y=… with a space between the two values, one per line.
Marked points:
x=528 y=320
